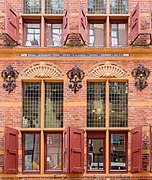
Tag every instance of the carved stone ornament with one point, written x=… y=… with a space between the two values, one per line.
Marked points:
x=42 y=70
x=107 y=70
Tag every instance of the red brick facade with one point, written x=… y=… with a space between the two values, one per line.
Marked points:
x=75 y=105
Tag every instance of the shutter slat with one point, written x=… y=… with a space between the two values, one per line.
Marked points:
x=11 y=22
x=136 y=150
x=11 y=151
x=66 y=24
x=135 y=23
x=82 y=24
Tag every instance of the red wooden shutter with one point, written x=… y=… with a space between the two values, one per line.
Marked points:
x=135 y=23
x=11 y=151
x=76 y=150
x=136 y=150
x=65 y=28
x=82 y=24
x=11 y=22
x=66 y=151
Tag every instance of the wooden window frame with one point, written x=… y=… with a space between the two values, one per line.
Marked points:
x=42 y=18
x=107 y=129
x=45 y=153
x=23 y=153
x=100 y=135
x=126 y=152
x=107 y=18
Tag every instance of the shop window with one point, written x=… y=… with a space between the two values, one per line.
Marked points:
x=118 y=151
x=53 y=152
x=97 y=6
x=53 y=6
x=31 y=152
x=118 y=6
x=32 y=6
x=32 y=34
x=96 y=35
x=53 y=34
x=118 y=34
x=96 y=151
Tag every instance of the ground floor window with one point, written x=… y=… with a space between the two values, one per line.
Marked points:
x=31 y=152
x=32 y=155
x=98 y=154
x=53 y=151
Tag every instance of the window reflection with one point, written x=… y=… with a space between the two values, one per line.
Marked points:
x=32 y=152
x=118 y=152
x=96 y=35
x=118 y=35
x=95 y=154
x=54 y=152
x=53 y=34
x=32 y=34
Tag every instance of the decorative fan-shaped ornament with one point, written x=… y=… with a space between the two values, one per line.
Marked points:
x=42 y=70
x=107 y=70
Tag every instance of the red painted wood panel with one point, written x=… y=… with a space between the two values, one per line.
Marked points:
x=66 y=27
x=135 y=23
x=11 y=151
x=82 y=24
x=76 y=150
x=11 y=22
x=136 y=150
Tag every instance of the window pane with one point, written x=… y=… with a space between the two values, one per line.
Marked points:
x=53 y=34
x=53 y=105
x=96 y=35
x=118 y=152
x=95 y=154
x=96 y=104
x=31 y=105
x=54 y=6
x=118 y=111
x=118 y=35
x=97 y=6
x=118 y=6
x=32 y=34
x=54 y=151
x=32 y=152
x=32 y=6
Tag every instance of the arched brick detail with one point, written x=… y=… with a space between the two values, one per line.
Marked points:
x=42 y=70
x=106 y=70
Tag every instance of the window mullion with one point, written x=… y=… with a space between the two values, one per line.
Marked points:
x=107 y=126
x=42 y=6
x=42 y=153
x=42 y=31
x=42 y=103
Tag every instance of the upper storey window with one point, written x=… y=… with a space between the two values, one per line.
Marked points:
x=100 y=7
x=34 y=6
x=118 y=6
x=53 y=6
x=97 y=6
